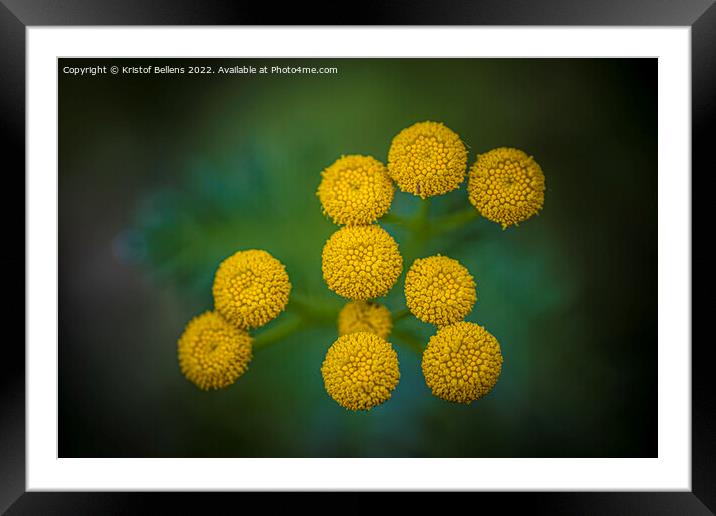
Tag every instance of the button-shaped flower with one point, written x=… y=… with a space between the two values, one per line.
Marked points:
x=360 y=371
x=361 y=262
x=251 y=288
x=462 y=362
x=212 y=352
x=506 y=186
x=427 y=159
x=439 y=290
x=355 y=190
x=367 y=316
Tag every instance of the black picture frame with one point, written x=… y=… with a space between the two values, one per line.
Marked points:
x=17 y=15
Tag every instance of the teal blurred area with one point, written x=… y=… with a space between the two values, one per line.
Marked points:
x=161 y=177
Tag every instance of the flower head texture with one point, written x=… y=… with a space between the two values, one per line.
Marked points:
x=506 y=186
x=361 y=262
x=439 y=290
x=360 y=371
x=212 y=352
x=367 y=316
x=251 y=288
x=355 y=190
x=462 y=362
x=427 y=159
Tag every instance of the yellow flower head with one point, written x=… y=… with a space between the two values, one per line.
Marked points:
x=251 y=288
x=356 y=190
x=367 y=316
x=212 y=352
x=506 y=186
x=360 y=371
x=462 y=362
x=361 y=262
x=439 y=290
x=427 y=159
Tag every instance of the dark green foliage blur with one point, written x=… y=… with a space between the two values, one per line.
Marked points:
x=161 y=177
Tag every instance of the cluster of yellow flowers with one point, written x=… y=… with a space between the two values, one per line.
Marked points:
x=505 y=185
x=462 y=361
x=251 y=288
x=361 y=262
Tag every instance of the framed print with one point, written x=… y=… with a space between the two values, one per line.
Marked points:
x=427 y=252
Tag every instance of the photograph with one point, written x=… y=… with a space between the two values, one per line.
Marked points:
x=357 y=257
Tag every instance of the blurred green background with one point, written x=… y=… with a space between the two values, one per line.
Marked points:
x=163 y=176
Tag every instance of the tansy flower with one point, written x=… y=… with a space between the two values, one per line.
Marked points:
x=212 y=352
x=360 y=371
x=367 y=316
x=361 y=262
x=462 y=362
x=251 y=288
x=506 y=186
x=355 y=190
x=427 y=159
x=439 y=290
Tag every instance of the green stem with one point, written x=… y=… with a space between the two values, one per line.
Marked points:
x=278 y=332
x=455 y=220
x=310 y=309
x=422 y=220
x=410 y=341
x=420 y=232
x=401 y=314
x=300 y=313
x=390 y=218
